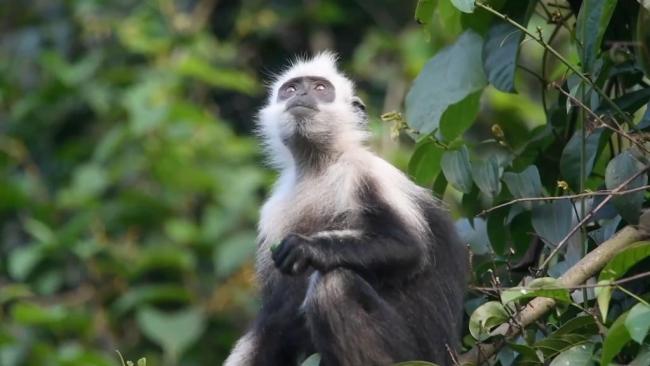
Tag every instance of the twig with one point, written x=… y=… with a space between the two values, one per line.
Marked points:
x=587 y=267
x=617 y=130
x=606 y=192
x=539 y=39
x=589 y=215
x=576 y=287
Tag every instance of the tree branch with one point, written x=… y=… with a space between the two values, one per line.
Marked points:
x=606 y=192
x=587 y=267
x=589 y=215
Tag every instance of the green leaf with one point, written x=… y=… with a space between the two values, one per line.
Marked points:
x=502 y=43
x=643 y=357
x=644 y=123
x=619 y=169
x=580 y=324
x=449 y=77
x=500 y=53
x=226 y=78
x=570 y=161
x=539 y=287
x=424 y=165
x=459 y=116
x=313 y=360
x=638 y=322
x=457 y=169
x=592 y=22
x=173 y=331
x=616 y=268
x=150 y=294
x=233 y=252
x=475 y=234
x=416 y=363
x=603 y=295
x=486 y=317
x=39 y=231
x=616 y=338
x=486 y=174
x=23 y=260
x=528 y=355
x=34 y=314
x=552 y=221
x=630 y=102
x=580 y=355
x=466 y=6
x=525 y=184
x=424 y=11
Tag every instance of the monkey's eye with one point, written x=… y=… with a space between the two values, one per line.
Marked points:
x=320 y=87
x=290 y=89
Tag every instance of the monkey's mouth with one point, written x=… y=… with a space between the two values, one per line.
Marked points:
x=301 y=104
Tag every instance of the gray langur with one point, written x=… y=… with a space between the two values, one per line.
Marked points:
x=369 y=269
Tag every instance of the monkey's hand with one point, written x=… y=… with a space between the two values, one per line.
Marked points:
x=293 y=255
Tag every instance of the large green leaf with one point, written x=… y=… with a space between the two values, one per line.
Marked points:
x=617 y=337
x=424 y=165
x=459 y=116
x=615 y=269
x=592 y=22
x=466 y=6
x=501 y=47
x=570 y=162
x=553 y=220
x=624 y=260
x=173 y=331
x=580 y=355
x=424 y=11
x=449 y=77
x=475 y=234
x=233 y=252
x=525 y=184
x=487 y=174
x=539 y=287
x=619 y=169
x=486 y=317
x=457 y=169
x=638 y=322
x=630 y=102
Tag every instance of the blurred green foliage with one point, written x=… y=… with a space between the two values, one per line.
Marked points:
x=130 y=179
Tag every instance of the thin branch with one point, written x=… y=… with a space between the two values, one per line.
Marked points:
x=587 y=267
x=539 y=39
x=589 y=215
x=602 y=122
x=605 y=192
x=576 y=287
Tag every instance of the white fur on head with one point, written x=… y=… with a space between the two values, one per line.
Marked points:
x=322 y=65
x=339 y=118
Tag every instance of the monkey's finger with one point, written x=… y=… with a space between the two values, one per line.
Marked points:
x=300 y=266
x=282 y=252
x=286 y=265
x=279 y=253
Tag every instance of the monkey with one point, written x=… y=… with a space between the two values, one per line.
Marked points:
x=354 y=260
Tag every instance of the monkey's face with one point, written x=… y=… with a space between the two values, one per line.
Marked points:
x=314 y=104
x=312 y=107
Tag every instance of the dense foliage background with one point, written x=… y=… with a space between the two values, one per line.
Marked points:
x=130 y=180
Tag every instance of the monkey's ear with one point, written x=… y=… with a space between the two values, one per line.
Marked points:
x=358 y=104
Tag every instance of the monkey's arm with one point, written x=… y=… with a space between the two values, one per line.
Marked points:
x=389 y=248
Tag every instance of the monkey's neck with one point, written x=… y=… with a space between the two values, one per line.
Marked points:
x=310 y=155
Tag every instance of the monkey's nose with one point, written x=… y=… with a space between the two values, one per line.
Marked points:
x=302 y=101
